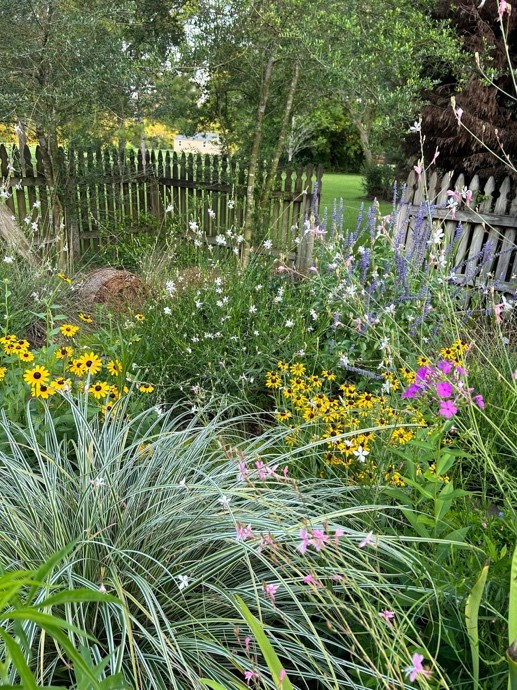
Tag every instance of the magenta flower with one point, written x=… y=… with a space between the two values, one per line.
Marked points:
x=281 y=676
x=270 y=591
x=411 y=392
x=416 y=669
x=423 y=373
x=387 y=615
x=444 y=389
x=447 y=408
x=445 y=366
x=243 y=471
x=247 y=641
x=478 y=399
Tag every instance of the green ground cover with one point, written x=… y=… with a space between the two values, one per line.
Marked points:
x=350 y=189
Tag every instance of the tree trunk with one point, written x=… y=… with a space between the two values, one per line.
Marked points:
x=281 y=138
x=254 y=161
x=365 y=141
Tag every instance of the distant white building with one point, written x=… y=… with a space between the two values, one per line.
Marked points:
x=200 y=143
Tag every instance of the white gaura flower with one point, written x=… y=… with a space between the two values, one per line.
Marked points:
x=183 y=582
x=268 y=244
x=361 y=454
x=225 y=502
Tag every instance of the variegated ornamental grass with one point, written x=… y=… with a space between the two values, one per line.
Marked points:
x=177 y=516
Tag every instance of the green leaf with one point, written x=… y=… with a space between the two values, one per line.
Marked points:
x=78 y=595
x=47 y=568
x=14 y=651
x=212 y=684
x=272 y=660
x=472 y=619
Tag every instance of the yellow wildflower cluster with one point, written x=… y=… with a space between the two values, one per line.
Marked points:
x=48 y=370
x=455 y=352
x=350 y=420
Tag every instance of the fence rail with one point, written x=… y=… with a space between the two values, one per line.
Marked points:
x=107 y=190
x=479 y=222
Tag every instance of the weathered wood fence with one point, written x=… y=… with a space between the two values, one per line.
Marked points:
x=479 y=221
x=108 y=192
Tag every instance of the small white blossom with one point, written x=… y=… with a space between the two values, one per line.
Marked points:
x=98 y=482
x=289 y=323
x=415 y=129
x=268 y=244
x=8 y=259
x=253 y=309
x=168 y=209
x=225 y=502
x=193 y=226
x=211 y=213
x=183 y=582
x=167 y=311
x=231 y=203
x=361 y=454
x=220 y=240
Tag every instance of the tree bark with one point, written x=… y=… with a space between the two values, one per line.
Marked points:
x=254 y=160
x=281 y=137
x=365 y=141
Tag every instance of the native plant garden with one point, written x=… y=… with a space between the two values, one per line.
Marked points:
x=244 y=474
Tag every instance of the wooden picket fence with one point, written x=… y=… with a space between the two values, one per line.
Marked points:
x=483 y=232
x=109 y=193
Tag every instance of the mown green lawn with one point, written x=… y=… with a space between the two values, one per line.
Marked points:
x=350 y=189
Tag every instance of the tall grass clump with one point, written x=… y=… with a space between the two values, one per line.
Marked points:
x=177 y=517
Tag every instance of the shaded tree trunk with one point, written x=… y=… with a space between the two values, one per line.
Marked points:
x=254 y=160
x=282 y=137
x=364 y=138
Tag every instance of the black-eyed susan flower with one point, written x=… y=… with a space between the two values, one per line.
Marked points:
x=99 y=389
x=61 y=384
x=68 y=330
x=139 y=317
x=114 y=367
x=77 y=367
x=448 y=353
x=297 y=369
x=329 y=375
x=91 y=362
x=25 y=356
x=146 y=388
x=107 y=409
x=8 y=339
x=273 y=380
x=423 y=361
x=42 y=390
x=65 y=351
x=283 y=415
x=3 y=371
x=85 y=318
x=36 y=376
x=282 y=366
x=65 y=278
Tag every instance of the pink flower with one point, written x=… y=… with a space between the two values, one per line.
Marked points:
x=243 y=471
x=444 y=389
x=369 y=540
x=270 y=591
x=514 y=375
x=416 y=669
x=281 y=676
x=285 y=471
x=243 y=533
x=338 y=533
x=319 y=538
x=248 y=675
x=436 y=154
x=309 y=580
x=459 y=114
x=478 y=399
x=503 y=6
x=447 y=408
x=418 y=170
x=387 y=615
x=247 y=641
x=261 y=470
x=302 y=546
